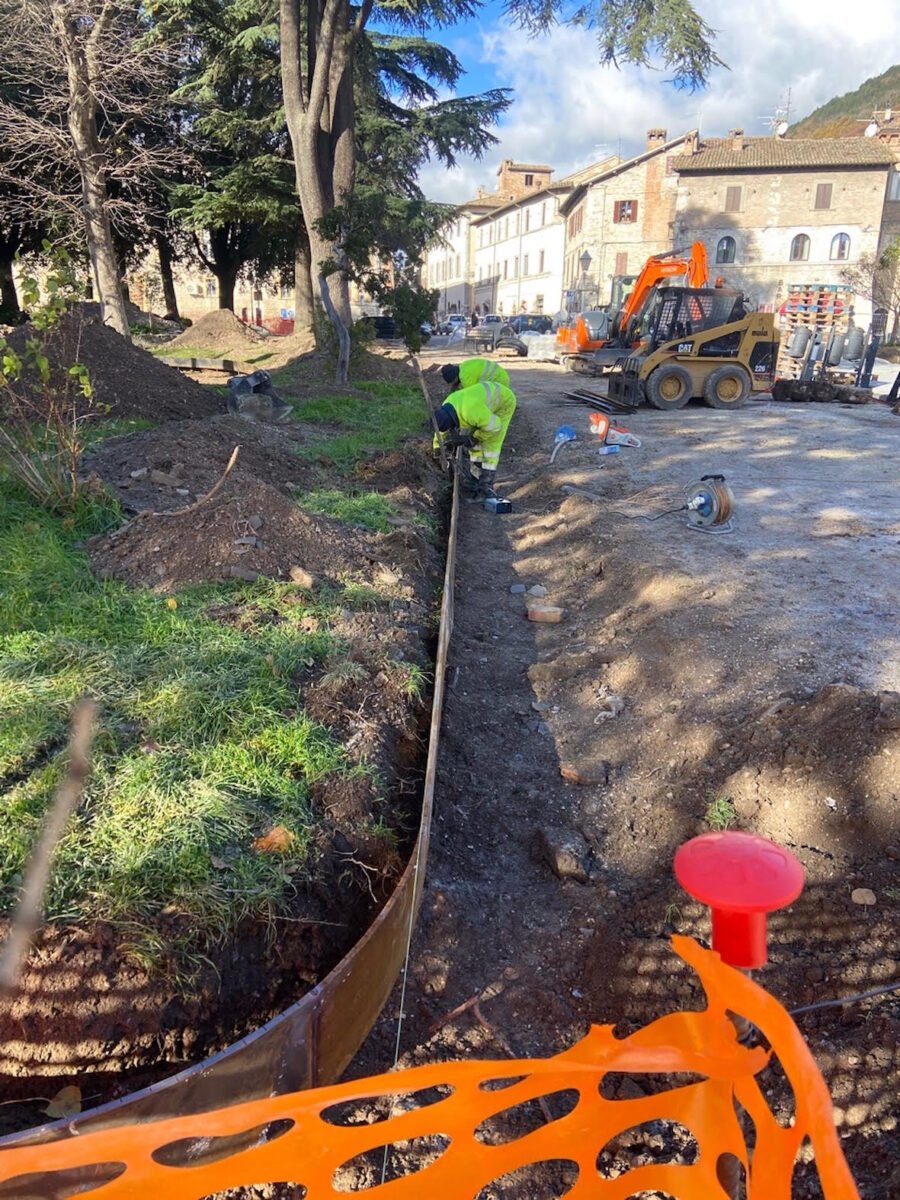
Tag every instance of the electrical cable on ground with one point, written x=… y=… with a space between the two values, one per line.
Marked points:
x=879 y=991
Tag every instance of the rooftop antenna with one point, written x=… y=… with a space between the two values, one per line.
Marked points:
x=879 y=117
x=779 y=120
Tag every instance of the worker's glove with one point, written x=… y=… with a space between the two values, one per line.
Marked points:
x=460 y=438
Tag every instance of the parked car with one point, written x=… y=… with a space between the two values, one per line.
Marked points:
x=453 y=322
x=490 y=319
x=531 y=323
x=385 y=327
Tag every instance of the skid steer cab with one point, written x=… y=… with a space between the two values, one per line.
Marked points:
x=697 y=342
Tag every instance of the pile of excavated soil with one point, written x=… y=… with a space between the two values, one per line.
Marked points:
x=247 y=530
x=170 y=466
x=220 y=331
x=127 y=381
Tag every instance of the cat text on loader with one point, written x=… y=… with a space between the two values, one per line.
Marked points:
x=697 y=342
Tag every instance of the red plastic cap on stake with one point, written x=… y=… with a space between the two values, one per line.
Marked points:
x=742 y=877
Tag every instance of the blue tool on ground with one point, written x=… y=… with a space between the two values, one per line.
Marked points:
x=564 y=434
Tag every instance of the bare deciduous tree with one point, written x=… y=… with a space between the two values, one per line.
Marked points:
x=78 y=83
x=877 y=277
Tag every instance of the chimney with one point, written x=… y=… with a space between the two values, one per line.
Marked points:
x=692 y=141
x=737 y=140
x=656 y=137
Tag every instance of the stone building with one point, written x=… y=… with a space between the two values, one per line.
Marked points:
x=618 y=214
x=519 y=255
x=450 y=265
x=775 y=212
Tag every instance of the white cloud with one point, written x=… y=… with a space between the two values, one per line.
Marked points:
x=568 y=110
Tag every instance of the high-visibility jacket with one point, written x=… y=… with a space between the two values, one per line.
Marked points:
x=484 y=410
x=481 y=370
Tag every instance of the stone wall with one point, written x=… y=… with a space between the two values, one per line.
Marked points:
x=773 y=208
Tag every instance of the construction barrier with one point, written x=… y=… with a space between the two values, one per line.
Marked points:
x=307 y=1137
x=311 y=1042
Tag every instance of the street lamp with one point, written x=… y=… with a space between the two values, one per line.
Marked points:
x=585 y=263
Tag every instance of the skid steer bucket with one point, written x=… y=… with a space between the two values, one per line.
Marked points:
x=625 y=382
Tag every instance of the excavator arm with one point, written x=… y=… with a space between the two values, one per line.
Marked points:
x=693 y=270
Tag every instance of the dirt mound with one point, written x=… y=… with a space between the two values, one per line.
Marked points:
x=128 y=382
x=168 y=467
x=249 y=529
x=220 y=331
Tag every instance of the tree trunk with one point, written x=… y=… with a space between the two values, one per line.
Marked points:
x=225 y=261
x=226 y=277
x=80 y=53
x=308 y=113
x=166 y=258
x=304 y=311
x=343 y=364
x=10 y=313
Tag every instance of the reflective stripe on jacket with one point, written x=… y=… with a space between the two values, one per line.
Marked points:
x=481 y=370
x=485 y=410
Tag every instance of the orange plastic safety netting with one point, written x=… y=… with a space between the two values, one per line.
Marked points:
x=299 y=1137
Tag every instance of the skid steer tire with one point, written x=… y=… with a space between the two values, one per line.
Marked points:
x=727 y=387
x=669 y=387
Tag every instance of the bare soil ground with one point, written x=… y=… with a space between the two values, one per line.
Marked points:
x=761 y=666
x=127 y=381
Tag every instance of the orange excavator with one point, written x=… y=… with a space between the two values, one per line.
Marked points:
x=600 y=327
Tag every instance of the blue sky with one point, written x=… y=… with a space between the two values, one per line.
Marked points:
x=569 y=111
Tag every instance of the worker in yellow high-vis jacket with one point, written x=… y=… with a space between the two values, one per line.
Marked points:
x=478 y=417
x=473 y=370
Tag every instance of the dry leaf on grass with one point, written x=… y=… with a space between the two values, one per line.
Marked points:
x=66 y=1103
x=276 y=841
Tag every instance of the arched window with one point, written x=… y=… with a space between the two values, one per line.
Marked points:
x=800 y=248
x=725 y=250
x=840 y=246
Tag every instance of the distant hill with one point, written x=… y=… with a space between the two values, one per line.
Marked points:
x=845 y=116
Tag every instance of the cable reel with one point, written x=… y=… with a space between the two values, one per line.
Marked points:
x=710 y=505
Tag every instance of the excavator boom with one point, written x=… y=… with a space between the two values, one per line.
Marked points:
x=591 y=331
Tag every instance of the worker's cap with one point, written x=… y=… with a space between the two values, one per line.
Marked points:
x=446 y=418
x=450 y=372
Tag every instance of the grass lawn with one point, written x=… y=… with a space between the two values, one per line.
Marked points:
x=203 y=744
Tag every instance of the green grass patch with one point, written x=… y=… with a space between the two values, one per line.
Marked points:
x=93 y=432
x=720 y=813
x=371 y=510
x=202 y=746
x=382 y=418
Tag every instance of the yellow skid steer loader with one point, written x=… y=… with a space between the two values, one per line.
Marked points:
x=697 y=342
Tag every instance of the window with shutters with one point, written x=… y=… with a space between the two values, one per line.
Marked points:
x=516 y=267
x=625 y=212
x=505 y=272
x=543 y=214
x=800 y=248
x=732 y=199
x=840 y=247
x=541 y=263
x=529 y=181
x=622 y=263
x=457 y=265
x=893 y=192
x=576 y=222
x=725 y=250
x=527 y=219
x=823 y=195
x=525 y=264
x=539 y=303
